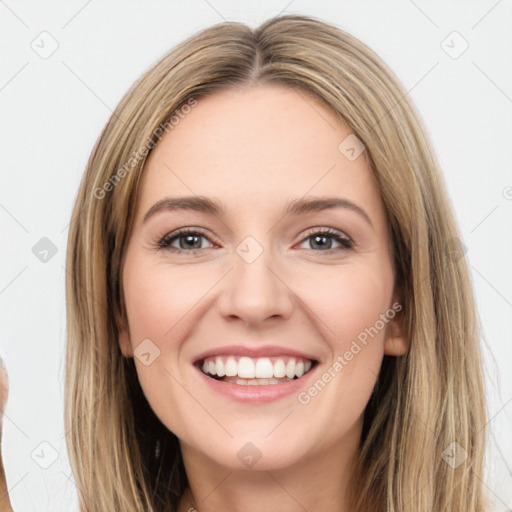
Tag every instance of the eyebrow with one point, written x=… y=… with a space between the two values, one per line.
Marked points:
x=211 y=206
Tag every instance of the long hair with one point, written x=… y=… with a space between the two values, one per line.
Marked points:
x=423 y=438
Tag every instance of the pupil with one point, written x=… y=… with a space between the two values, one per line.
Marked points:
x=190 y=238
x=320 y=237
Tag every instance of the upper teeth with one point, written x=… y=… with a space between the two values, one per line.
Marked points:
x=250 y=368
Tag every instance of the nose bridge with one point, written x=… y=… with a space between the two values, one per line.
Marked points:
x=255 y=291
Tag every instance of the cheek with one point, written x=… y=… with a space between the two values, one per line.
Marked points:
x=363 y=298
x=350 y=299
x=161 y=302
x=158 y=298
x=349 y=303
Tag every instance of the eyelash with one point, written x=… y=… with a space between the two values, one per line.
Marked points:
x=164 y=243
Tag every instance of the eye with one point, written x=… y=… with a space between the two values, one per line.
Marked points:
x=323 y=239
x=189 y=240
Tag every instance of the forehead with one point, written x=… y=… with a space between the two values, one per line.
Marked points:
x=257 y=148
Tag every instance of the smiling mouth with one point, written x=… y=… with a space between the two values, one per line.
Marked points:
x=255 y=371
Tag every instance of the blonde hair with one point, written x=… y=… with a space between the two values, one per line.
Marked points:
x=122 y=456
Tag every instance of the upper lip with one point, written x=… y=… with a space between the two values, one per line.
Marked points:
x=255 y=352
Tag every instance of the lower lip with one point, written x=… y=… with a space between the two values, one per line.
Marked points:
x=259 y=394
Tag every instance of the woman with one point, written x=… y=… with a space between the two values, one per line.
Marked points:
x=222 y=353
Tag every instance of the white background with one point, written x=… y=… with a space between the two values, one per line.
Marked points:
x=53 y=110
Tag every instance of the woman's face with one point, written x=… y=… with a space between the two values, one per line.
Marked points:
x=266 y=290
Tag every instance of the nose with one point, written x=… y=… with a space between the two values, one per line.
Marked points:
x=256 y=290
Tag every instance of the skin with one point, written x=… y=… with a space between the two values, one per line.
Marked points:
x=5 y=503
x=256 y=150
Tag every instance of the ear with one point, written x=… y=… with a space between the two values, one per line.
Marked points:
x=396 y=342
x=124 y=341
